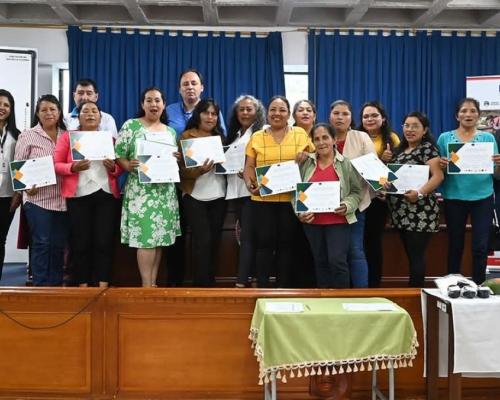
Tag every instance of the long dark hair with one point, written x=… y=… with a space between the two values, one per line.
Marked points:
x=385 y=129
x=341 y=102
x=467 y=100
x=427 y=138
x=195 y=120
x=234 y=123
x=51 y=99
x=11 y=119
x=141 y=113
x=80 y=107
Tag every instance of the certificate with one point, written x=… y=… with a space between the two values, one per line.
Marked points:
x=161 y=137
x=470 y=158
x=35 y=171
x=373 y=171
x=150 y=148
x=91 y=145
x=196 y=151
x=277 y=178
x=408 y=177
x=317 y=197
x=235 y=159
x=158 y=169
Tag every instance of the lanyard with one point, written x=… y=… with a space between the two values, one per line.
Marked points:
x=3 y=138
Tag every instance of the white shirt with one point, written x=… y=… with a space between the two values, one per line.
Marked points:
x=6 y=156
x=107 y=123
x=236 y=187
x=93 y=179
x=209 y=186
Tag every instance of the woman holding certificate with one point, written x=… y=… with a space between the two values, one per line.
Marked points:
x=329 y=233
x=415 y=212
x=9 y=200
x=352 y=143
x=248 y=115
x=203 y=193
x=304 y=115
x=468 y=158
x=91 y=190
x=150 y=212
x=375 y=122
x=277 y=224
x=45 y=208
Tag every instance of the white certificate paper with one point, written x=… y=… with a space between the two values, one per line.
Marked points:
x=470 y=158
x=408 y=177
x=161 y=137
x=158 y=169
x=91 y=145
x=35 y=171
x=373 y=171
x=150 y=148
x=196 y=151
x=277 y=178
x=235 y=159
x=284 y=307
x=317 y=197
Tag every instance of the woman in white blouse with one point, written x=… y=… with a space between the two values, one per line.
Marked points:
x=91 y=190
x=248 y=115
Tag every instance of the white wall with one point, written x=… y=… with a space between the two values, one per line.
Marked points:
x=294 y=48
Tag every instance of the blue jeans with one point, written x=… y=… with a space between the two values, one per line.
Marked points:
x=48 y=231
x=330 y=246
x=481 y=213
x=356 y=258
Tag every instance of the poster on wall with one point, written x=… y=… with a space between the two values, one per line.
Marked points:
x=18 y=76
x=486 y=90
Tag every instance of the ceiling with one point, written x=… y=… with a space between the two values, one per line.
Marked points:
x=454 y=14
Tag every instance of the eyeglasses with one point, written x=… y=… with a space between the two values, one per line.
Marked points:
x=411 y=126
x=372 y=116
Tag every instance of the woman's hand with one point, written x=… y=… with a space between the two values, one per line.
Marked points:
x=387 y=154
x=109 y=164
x=496 y=159
x=306 y=218
x=341 y=210
x=301 y=157
x=207 y=166
x=240 y=175
x=32 y=192
x=177 y=155
x=81 y=165
x=132 y=165
x=253 y=187
x=411 y=196
x=443 y=163
x=15 y=201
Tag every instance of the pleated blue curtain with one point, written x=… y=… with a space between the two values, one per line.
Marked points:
x=405 y=72
x=123 y=63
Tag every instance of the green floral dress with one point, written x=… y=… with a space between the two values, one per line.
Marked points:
x=150 y=212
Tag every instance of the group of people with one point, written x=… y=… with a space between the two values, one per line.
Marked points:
x=79 y=213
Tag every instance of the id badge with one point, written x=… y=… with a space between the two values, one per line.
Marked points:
x=4 y=166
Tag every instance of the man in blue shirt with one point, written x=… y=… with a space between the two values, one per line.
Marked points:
x=190 y=89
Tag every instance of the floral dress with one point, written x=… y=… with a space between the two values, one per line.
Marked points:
x=422 y=216
x=150 y=212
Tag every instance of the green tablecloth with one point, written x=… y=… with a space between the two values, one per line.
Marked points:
x=325 y=335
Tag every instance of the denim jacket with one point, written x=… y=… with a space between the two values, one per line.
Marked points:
x=350 y=184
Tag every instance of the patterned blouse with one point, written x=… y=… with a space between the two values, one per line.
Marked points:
x=422 y=216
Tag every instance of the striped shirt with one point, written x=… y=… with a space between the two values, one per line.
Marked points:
x=35 y=143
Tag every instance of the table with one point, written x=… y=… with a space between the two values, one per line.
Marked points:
x=325 y=338
x=472 y=326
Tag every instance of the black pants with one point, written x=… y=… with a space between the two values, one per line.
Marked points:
x=5 y=221
x=415 y=245
x=376 y=217
x=92 y=228
x=176 y=254
x=205 y=219
x=246 y=265
x=275 y=240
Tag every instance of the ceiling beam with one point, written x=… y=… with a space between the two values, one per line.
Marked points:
x=62 y=12
x=488 y=18
x=210 y=15
x=3 y=12
x=135 y=11
x=285 y=9
x=433 y=11
x=355 y=15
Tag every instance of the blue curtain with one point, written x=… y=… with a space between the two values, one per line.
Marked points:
x=405 y=72
x=124 y=63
